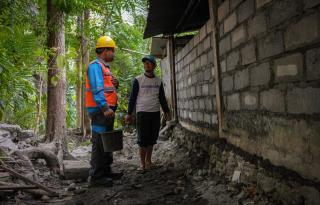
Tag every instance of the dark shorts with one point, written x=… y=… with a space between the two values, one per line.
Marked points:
x=148 y=125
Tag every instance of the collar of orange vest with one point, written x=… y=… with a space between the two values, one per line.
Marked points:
x=104 y=62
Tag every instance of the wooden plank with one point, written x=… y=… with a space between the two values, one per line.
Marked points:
x=173 y=76
x=213 y=10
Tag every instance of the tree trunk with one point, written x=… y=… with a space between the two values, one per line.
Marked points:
x=39 y=86
x=56 y=99
x=85 y=63
x=79 y=100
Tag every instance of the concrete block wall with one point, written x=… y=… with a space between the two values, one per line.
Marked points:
x=270 y=81
x=195 y=83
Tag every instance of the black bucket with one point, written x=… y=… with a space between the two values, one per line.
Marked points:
x=112 y=140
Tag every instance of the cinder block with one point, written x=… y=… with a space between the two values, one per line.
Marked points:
x=310 y=3
x=197 y=63
x=212 y=89
x=241 y=79
x=207 y=118
x=75 y=169
x=190 y=105
x=238 y=36
x=207 y=74
x=272 y=100
x=234 y=4
x=214 y=119
x=260 y=3
x=185 y=114
x=210 y=57
x=204 y=59
x=196 y=104
x=207 y=43
x=199 y=117
x=194 y=79
x=208 y=104
x=223 y=65
x=190 y=46
x=193 y=55
x=221 y=30
x=289 y=68
x=227 y=83
x=223 y=10
x=201 y=104
x=257 y=25
x=233 y=59
x=270 y=45
x=304 y=101
x=245 y=10
x=282 y=10
x=233 y=102
x=196 y=39
x=212 y=71
x=198 y=90
x=260 y=75
x=200 y=48
x=193 y=91
x=205 y=89
x=192 y=67
x=313 y=64
x=305 y=31
x=249 y=100
x=248 y=53
x=230 y=22
x=224 y=45
x=203 y=32
x=194 y=116
x=209 y=25
x=199 y=77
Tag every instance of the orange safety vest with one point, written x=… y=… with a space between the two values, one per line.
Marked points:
x=110 y=93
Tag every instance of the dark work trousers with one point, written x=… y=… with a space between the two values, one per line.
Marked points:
x=100 y=161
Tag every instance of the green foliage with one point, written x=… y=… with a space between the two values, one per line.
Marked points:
x=107 y=19
x=21 y=56
x=23 y=52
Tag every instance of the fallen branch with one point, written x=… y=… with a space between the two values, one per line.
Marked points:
x=14 y=173
x=34 y=191
x=18 y=187
x=40 y=153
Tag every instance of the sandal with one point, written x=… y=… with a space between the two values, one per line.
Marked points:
x=141 y=169
x=152 y=166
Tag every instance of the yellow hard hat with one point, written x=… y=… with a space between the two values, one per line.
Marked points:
x=105 y=42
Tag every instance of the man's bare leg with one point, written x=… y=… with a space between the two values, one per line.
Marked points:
x=142 y=153
x=149 y=155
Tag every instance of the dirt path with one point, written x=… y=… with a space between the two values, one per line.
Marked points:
x=161 y=186
x=181 y=179
x=166 y=185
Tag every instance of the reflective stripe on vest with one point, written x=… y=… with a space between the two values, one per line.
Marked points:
x=109 y=89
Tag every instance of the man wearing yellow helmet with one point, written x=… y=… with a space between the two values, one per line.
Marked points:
x=101 y=103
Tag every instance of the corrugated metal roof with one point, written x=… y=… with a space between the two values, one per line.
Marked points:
x=175 y=16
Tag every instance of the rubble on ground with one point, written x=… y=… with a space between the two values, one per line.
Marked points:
x=189 y=172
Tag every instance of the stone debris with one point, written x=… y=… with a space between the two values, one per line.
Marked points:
x=76 y=169
x=187 y=175
x=236 y=176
